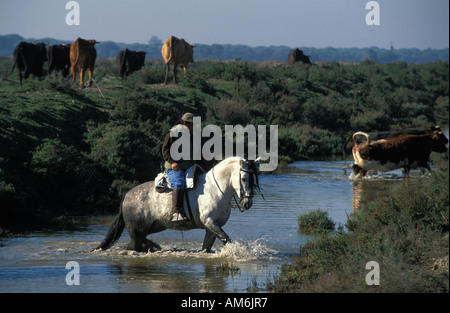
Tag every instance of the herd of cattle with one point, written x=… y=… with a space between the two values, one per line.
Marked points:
x=81 y=55
x=407 y=150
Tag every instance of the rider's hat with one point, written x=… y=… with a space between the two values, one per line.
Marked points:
x=188 y=117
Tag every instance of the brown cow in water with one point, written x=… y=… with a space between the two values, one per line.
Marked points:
x=407 y=151
x=178 y=52
x=83 y=55
x=29 y=57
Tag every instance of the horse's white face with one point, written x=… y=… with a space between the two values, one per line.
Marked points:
x=243 y=184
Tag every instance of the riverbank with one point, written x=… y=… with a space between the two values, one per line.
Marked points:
x=406 y=233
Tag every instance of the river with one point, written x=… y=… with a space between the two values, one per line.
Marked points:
x=264 y=238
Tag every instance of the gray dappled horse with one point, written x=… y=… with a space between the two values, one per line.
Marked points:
x=145 y=211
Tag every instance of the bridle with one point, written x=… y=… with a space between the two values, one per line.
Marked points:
x=241 y=193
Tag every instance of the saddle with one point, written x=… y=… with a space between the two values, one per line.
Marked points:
x=162 y=183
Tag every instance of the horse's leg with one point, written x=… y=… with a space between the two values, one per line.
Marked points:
x=140 y=243
x=217 y=231
x=138 y=233
x=208 y=241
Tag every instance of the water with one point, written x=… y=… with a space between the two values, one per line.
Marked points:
x=264 y=237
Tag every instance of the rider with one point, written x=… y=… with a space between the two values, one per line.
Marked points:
x=176 y=170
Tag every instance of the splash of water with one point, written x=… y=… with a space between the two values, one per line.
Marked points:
x=240 y=251
x=247 y=251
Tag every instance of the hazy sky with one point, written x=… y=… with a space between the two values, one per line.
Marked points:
x=294 y=23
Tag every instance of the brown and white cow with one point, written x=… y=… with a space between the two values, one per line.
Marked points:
x=407 y=151
x=83 y=55
x=177 y=52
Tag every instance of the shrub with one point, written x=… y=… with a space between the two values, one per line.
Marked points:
x=315 y=222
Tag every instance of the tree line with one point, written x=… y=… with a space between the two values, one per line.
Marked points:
x=110 y=49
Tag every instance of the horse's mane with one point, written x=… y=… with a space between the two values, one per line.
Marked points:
x=253 y=180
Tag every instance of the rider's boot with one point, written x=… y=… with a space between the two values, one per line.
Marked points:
x=177 y=206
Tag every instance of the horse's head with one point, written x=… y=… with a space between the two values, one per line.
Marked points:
x=248 y=182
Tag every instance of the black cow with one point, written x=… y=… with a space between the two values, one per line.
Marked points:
x=29 y=57
x=59 y=59
x=129 y=61
x=296 y=55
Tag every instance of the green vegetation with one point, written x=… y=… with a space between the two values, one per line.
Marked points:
x=406 y=232
x=315 y=222
x=66 y=151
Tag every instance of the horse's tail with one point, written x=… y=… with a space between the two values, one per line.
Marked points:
x=114 y=232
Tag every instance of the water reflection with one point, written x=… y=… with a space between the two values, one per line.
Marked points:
x=366 y=190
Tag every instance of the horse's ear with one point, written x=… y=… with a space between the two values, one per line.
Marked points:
x=257 y=161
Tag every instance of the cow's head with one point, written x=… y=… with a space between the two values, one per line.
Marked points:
x=438 y=142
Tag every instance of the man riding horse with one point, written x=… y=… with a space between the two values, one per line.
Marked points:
x=176 y=169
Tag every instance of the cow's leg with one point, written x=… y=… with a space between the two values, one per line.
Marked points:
x=81 y=77
x=175 y=70
x=20 y=76
x=72 y=72
x=91 y=72
x=27 y=73
x=167 y=68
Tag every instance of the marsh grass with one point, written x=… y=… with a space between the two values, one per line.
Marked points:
x=315 y=222
x=227 y=268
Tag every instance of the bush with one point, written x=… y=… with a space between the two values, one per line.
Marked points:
x=315 y=222
x=125 y=152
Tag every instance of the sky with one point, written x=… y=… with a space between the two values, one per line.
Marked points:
x=418 y=24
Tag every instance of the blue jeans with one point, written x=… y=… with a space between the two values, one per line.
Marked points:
x=177 y=179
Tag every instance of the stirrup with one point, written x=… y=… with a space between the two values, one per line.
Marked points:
x=177 y=217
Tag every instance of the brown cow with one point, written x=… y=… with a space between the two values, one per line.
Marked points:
x=178 y=52
x=83 y=55
x=407 y=151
